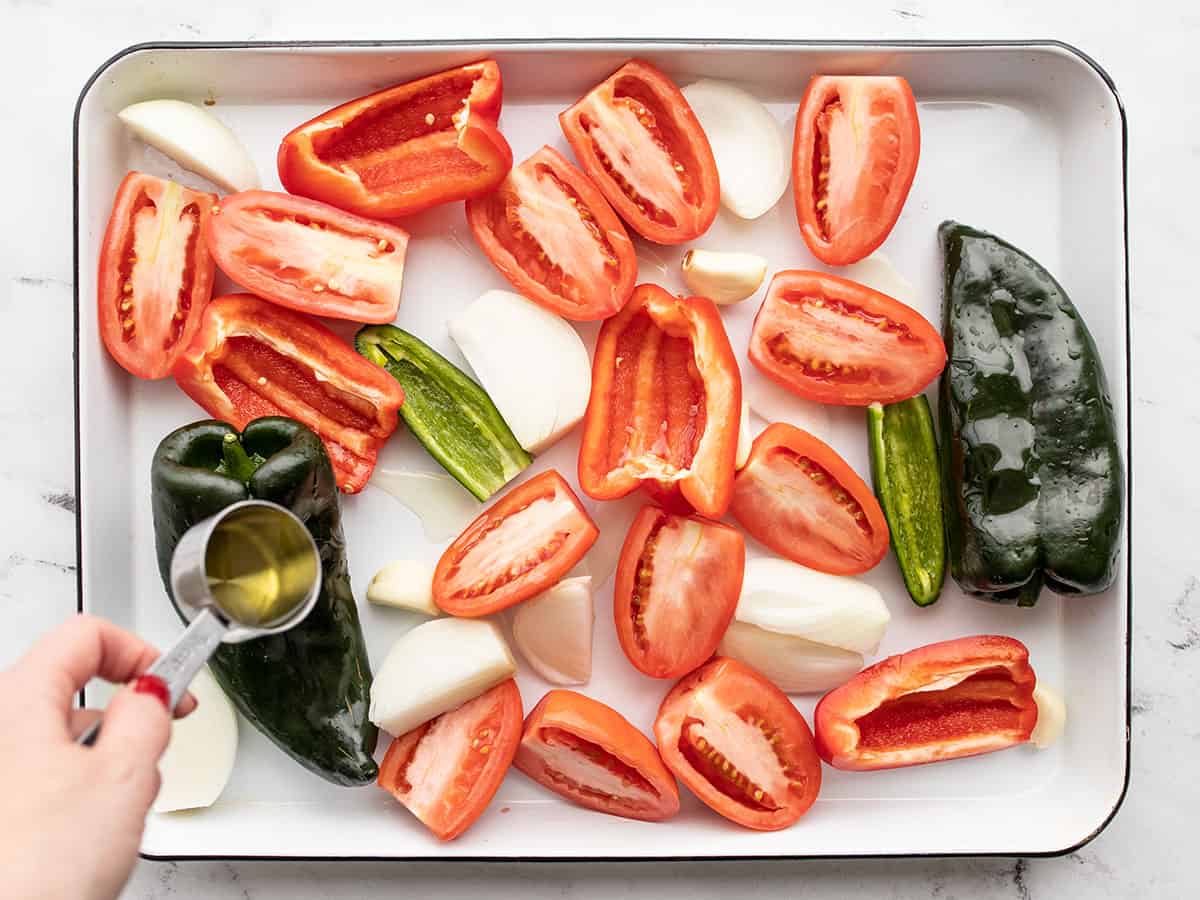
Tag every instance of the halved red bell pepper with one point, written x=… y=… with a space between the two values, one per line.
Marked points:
x=955 y=698
x=252 y=358
x=403 y=149
x=665 y=403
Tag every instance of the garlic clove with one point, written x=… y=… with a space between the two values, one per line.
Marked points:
x=404 y=584
x=553 y=631
x=1052 y=716
x=723 y=278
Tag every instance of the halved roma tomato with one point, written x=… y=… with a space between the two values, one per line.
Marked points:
x=853 y=161
x=155 y=275
x=521 y=545
x=946 y=700
x=589 y=753
x=404 y=149
x=638 y=139
x=309 y=256
x=736 y=741
x=252 y=358
x=665 y=404
x=797 y=496
x=553 y=235
x=677 y=587
x=446 y=771
x=833 y=340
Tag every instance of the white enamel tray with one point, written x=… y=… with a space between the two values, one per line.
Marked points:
x=1024 y=139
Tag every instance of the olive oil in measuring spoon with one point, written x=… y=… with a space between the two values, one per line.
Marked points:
x=259 y=567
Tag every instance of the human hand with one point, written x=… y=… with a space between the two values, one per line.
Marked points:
x=72 y=817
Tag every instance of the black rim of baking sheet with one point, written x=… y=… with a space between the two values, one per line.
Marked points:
x=666 y=43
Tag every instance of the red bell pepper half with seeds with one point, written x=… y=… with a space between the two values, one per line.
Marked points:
x=854 y=158
x=955 y=698
x=640 y=141
x=446 y=771
x=797 y=496
x=676 y=590
x=155 y=275
x=252 y=358
x=553 y=235
x=404 y=149
x=589 y=753
x=309 y=256
x=735 y=740
x=665 y=404
x=521 y=545
x=833 y=340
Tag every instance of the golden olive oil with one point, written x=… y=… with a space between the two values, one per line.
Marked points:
x=260 y=566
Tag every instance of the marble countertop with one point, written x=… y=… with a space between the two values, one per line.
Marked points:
x=1149 y=49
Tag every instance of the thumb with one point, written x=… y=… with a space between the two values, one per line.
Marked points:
x=137 y=725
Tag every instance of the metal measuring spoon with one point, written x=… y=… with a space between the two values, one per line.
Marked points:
x=223 y=570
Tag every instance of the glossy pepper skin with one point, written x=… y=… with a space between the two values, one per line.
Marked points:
x=1032 y=474
x=307 y=689
x=947 y=700
x=451 y=415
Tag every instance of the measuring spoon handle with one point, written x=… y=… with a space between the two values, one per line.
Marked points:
x=179 y=665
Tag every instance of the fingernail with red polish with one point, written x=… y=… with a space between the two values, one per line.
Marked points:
x=155 y=686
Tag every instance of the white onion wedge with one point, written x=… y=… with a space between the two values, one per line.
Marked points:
x=531 y=362
x=194 y=138
x=199 y=758
x=724 y=278
x=1052 y=716
x=553 y=631
x=751 y=150
x=785 y=597
x=795 y=665
x=404 y=584
x=437 y=667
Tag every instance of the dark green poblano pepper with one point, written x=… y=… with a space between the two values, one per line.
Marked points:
x=307 y=689
x=1032 y=473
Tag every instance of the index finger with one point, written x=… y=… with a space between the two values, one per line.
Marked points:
x=82 y=648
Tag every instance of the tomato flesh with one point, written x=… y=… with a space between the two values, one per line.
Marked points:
x=640 y=141
x=588 y=753
x=252 y=358
x=516 y=549
x=665 y=402
x=736 y=741
x=833 y=340
x=797 y=496
x=551 y=233
x=309 y=256
x=155 y=274
x=446 y=771
x=676 y=590
x=854 y=158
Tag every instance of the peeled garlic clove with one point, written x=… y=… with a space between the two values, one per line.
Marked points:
x=553 y=631
x=752 y=153
x=194 y=138
x=745 y=437
x=795 y=665
x=723 y=278
x=788 y=598
x=1052 y=716
x=404 y=584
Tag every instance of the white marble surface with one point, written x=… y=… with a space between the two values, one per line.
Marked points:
x=1150 y=50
